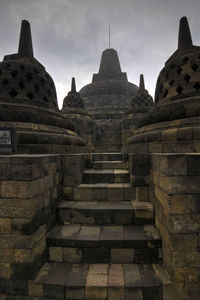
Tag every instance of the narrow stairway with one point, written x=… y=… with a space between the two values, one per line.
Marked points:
x=105 y=246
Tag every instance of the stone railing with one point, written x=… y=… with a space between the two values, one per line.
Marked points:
x=175 y=194
x=31 y=186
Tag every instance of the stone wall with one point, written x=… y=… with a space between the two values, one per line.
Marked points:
x=175 y=194
x=73 y=165
x=139 y=175
x=31 y=186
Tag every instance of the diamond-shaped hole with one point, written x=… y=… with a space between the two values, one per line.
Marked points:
x=37 y=88
x=13 y=93
x=14 y=73
x=179 y=70
x=171 y=82
x=197 y=86
x=194 y=67
x=45 y=99
x=35 y=71
x=29 y=76
x=165 y=93
x=30 y=95
x=21 y=85
x=187 y=78
x=5 y=82
x=185 y=59
x=179 y=89
x=167 y=74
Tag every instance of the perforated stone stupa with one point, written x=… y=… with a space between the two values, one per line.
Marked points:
x=173 y=123
x=74 y=110
x=141 y=103
x=28 y=103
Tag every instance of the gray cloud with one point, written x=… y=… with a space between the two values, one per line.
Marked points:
x=69 y=35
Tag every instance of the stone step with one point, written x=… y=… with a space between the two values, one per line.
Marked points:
x=104 y=192
x=99 y=281
x=109 y=156
x=104 y=212
x=106 y=176
x=106 y=148
x=100 y=165
x=106 y=243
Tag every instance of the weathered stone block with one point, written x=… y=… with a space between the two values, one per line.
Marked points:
x=35 y=289
x=5 y=225
x=5 y=270
x=122 y=255
x=55 y=254
x=186 y=259
x=72 y=255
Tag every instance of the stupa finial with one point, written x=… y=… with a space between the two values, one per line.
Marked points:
x=184 y=38
x=142 y=86
x=25 y=43
x=73 y=85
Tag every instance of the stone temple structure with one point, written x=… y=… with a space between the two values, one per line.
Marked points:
x=141 y=103
x=109 y=226
x=107 y=98
x=28 y=103
x=74 y=110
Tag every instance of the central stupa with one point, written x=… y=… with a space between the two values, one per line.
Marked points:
x=110 y=94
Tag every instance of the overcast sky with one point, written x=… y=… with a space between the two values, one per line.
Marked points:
x=70 y=35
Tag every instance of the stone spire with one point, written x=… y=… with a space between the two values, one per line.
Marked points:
x=25 y=42
x=109 y=67
x=184 y=38
x=73 y=85
x=185 y=44
x=141 y=86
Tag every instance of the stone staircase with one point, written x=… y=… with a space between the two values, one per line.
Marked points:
x=105 y=245
x=110 y=139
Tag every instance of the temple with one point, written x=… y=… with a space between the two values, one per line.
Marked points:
x=100 y=200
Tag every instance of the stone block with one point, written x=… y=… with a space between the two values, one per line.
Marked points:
x=115 y=193
x=184 y=274
x=23 y=189
x=184 y=259
x=55 y=254
x=68 y=192
x=5 y=225
x=35 y=289
x=142 y=194
x=169 y=135
x=5 y=270
x=72 y=170
x=96 y=283
x=72 y=180
x=3 y=171
x=116 y=282
x=72 y=255
x=23 y=255
x=184 y=134
x=7 y=255
x=174 y=290
x=83 y=193
x=192 y=290
x=186 y=223
x=122 y=255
